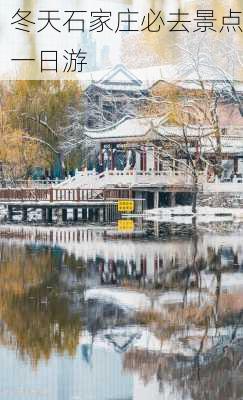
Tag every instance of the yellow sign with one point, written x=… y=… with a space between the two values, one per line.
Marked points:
x=126 y=206
x=125 y=225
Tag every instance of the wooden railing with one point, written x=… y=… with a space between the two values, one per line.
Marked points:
x=62 y=195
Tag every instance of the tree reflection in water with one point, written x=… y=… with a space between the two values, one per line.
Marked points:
x=46 y=304
x=218 y=378
x=206 y=358
x=38 y=314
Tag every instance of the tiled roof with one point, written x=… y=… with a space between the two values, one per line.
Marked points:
x=139 y=127
x=150 y=75
x=120 y=87
x=134 y=127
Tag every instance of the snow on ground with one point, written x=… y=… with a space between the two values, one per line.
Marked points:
x=203 y=211
x=201 y=219
x=184 y=214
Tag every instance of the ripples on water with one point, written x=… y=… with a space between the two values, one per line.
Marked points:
x=90 y=313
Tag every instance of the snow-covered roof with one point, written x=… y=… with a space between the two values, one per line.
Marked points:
x=120 y=87
x=192 y=131
x=121 y=79
x=146 y=77
x=120 y=74
x=134 y=127
x=142 y=77
x=142 y=127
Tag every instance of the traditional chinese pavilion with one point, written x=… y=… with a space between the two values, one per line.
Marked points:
x=125 y=141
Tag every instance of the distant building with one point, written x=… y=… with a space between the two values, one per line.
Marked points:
x=105 y=57
x=113 y=97
x=88 y=44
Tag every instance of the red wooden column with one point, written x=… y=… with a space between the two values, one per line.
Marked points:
x=143 y=163
x=155 y=155
x=145 y=158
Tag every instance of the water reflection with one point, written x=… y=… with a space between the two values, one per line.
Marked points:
x=87 y=314
x=38 y=297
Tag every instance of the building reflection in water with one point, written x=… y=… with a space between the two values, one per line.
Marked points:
x=157 y=317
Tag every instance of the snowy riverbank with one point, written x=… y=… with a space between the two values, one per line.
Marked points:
x=184 y=214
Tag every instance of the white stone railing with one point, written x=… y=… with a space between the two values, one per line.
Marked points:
x=126 y=177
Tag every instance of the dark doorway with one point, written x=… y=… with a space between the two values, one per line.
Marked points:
x=164 y=199
x=183 y=199
x=150 y=200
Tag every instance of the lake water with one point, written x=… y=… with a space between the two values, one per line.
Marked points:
x=128 y=313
